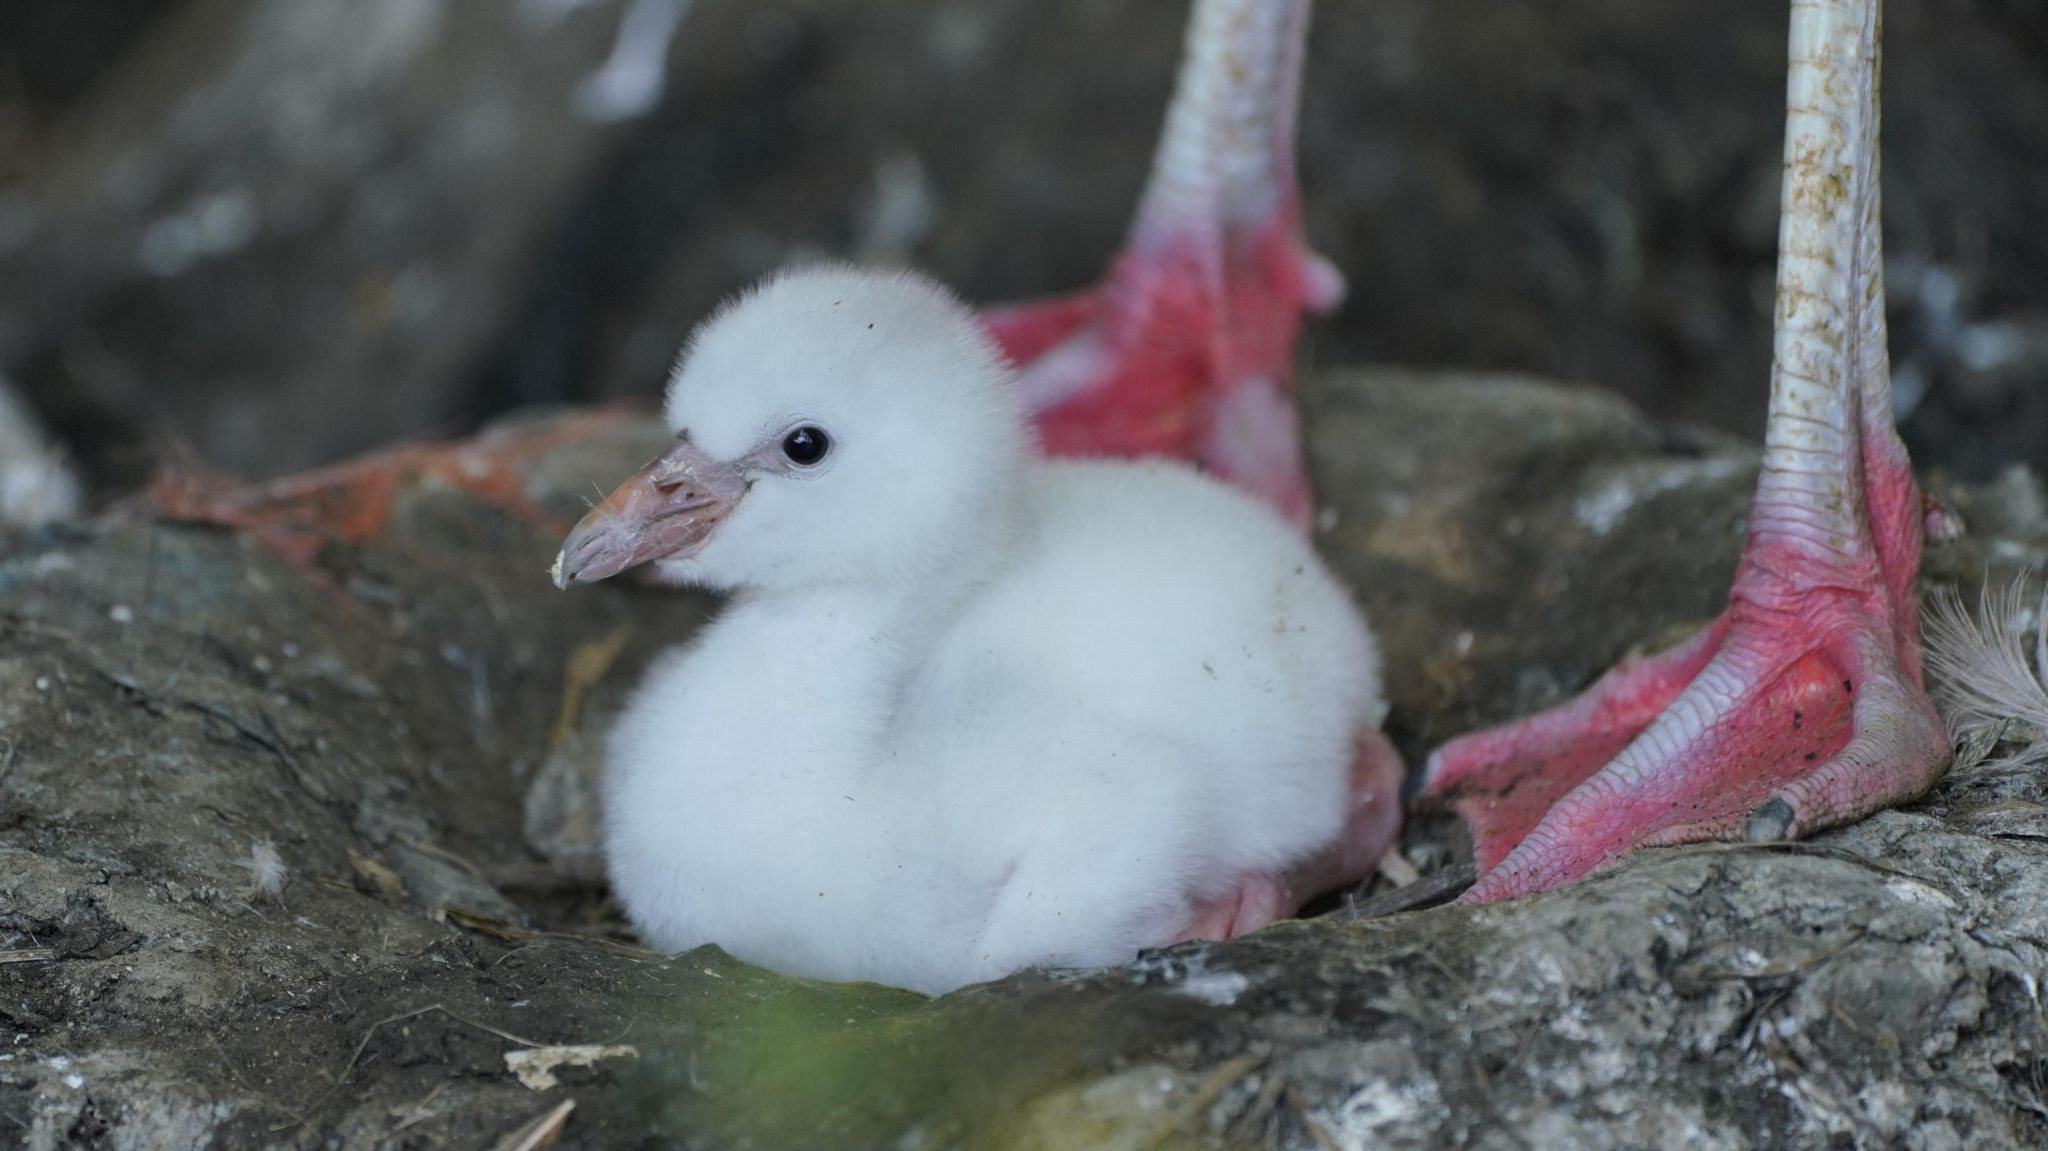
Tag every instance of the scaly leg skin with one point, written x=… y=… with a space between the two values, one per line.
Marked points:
x=1187 y=349
x=1802 y=706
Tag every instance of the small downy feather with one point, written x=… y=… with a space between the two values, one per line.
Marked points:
x=1989 y=689
x=267 y=872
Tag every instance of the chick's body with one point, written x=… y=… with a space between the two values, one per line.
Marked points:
x=1113 y=692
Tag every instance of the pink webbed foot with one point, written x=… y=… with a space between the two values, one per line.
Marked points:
x=1803 y=705
x=1772 y=723
x=1256 y=901
x=1371 y=823
x=1187 y=349
x=1503 y=782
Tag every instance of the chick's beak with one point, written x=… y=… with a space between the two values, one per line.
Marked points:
x=665 y=510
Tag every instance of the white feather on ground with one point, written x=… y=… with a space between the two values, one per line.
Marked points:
x=630 y=83
x=1990 y=687
x=267 y=871
x=36 y=485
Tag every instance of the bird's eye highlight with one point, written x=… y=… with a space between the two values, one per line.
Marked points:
x=806 y=445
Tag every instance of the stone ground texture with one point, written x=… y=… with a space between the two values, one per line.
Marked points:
x=392 y=721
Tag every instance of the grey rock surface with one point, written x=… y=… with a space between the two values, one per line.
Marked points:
x=286 y=230
x=379 y=711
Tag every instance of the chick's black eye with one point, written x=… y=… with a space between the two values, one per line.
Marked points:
x=806 y=445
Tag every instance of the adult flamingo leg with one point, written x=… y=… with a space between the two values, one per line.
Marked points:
x=1187 y=347
x=1803 y=705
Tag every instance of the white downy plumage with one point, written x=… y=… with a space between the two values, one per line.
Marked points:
x=968 y=711
x=36 y=484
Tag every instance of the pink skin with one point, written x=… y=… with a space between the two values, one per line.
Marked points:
x=1802 y=706
x=1374 y=820
x=1187 y=350
x=665 y=510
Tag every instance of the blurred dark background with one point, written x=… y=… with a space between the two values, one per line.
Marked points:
x=282 y=231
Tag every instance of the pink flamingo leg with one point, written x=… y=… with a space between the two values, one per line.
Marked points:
x=1803 y=705
x=1187 y=349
